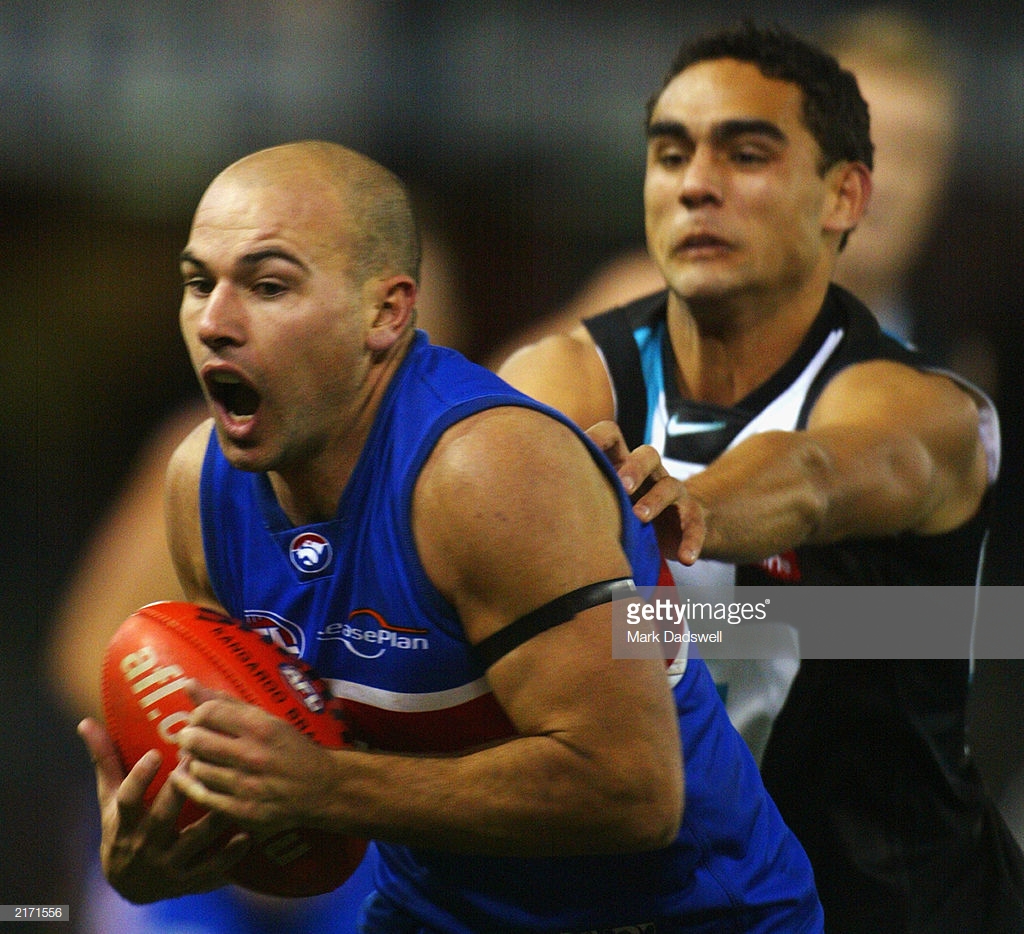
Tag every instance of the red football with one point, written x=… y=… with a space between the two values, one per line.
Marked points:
x=151 y=657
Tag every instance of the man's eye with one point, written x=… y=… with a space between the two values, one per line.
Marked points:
x=269 y=288
x=670 y=157
x=750 y=156
x=198 y=286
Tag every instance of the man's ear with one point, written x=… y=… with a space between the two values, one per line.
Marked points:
x=849 y=194
x=395 y=304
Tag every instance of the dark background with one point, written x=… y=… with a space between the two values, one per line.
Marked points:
x=519 y=127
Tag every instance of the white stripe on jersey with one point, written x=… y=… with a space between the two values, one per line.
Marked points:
x=408 y=703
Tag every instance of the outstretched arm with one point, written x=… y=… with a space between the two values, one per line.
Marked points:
x=887 y=449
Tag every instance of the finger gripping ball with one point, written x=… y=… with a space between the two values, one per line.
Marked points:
x=148 y=662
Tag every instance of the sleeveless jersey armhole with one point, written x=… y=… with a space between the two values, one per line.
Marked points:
x=614 y=339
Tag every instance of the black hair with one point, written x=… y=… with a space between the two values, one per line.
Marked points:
x=833 y=109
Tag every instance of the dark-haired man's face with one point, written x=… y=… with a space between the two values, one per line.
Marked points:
x=733 y=198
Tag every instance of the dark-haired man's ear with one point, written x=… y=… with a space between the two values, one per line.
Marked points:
x=849 y=194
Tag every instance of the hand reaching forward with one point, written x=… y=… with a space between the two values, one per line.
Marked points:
x=679 y=518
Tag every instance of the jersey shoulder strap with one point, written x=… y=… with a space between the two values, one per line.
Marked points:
x=614 y=334
x=863 y=339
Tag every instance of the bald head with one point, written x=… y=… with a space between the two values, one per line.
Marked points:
x=371 y=205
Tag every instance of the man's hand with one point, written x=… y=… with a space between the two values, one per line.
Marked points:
x=678 y=517
x=144 y=856
x=251 y=766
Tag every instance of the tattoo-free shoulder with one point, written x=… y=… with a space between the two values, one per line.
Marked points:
x=566 y=372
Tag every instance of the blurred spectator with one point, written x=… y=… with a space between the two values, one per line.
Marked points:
x=937 y=256
x=909 y=78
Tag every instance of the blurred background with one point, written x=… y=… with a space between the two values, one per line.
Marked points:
x=518 y=126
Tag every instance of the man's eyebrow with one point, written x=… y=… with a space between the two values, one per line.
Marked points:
x=187 y=256
x=730 y=129
x=720 y=132
x=249 y=259
x=258 y=256
x=671 y=128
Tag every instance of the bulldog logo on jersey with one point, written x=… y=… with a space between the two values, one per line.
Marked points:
x=310 y=552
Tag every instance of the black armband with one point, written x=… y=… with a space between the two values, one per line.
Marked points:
x=558 y=611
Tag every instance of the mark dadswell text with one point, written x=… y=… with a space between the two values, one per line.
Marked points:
x=669 y=635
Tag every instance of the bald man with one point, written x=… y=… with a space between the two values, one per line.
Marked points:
x=513 y=774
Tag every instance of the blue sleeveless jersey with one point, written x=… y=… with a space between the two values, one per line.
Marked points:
x=351 y=597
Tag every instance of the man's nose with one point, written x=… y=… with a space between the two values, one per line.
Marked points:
x=701 y=179
x=221 y=320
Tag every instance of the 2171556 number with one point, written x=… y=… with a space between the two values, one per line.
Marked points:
x=33 y=912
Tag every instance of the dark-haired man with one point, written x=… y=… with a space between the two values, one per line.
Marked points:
x=806 y=447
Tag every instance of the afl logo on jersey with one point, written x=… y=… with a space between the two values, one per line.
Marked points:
x=310 y=553
x=276 y=629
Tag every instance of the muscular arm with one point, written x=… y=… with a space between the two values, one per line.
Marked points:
x=886 y=450
x=596 y=764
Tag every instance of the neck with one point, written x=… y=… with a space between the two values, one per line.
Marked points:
x=724 y=350
x=310 y=489
x=310 y=494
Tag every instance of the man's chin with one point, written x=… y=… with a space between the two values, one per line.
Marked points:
x=699 y=290
x=242 y=453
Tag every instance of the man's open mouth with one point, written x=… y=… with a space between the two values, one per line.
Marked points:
x=233 y=394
